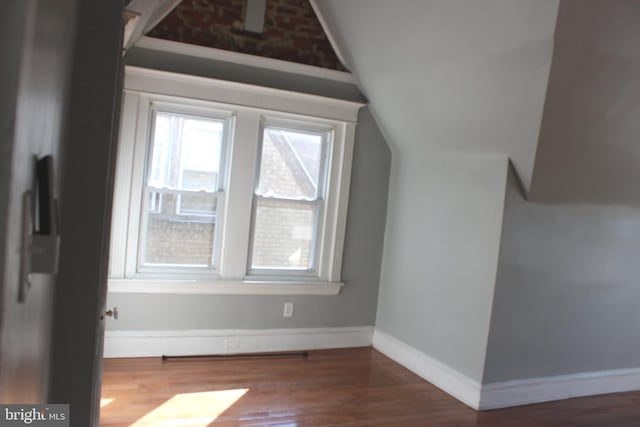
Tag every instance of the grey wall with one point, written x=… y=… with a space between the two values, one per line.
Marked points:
x=588 y=150
x=356 y=304
x=440 y=255
x=35 y=47
x=567 y=290
x=471 y=77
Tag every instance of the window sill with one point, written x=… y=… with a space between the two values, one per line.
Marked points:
x=246 y=287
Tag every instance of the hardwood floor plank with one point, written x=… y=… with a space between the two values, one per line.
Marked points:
x=347 y=387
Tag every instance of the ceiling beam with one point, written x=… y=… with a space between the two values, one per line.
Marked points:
x=142 y=16
x=327 y=32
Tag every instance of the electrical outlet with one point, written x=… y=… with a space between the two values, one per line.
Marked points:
x=288 y=309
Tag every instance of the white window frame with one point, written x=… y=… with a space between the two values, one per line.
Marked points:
x=249 y=108
x=148 y=107
x=318 y=232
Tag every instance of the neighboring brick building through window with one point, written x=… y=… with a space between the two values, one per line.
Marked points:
x=289 y=199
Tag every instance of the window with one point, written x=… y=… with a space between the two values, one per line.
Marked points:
x=181 y=190
x=288 y=200
x=228 y=188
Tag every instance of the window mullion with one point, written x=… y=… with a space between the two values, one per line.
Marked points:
x=239 y=195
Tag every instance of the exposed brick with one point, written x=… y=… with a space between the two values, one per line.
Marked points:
x=292 y=31
x=286 y=10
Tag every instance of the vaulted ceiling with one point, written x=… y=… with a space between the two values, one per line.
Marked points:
x=469 y=76
x=555 y=85
x=589 y=146
x=462 y=75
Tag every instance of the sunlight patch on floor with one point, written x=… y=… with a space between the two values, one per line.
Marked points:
x=105 y=401
x=191 y=409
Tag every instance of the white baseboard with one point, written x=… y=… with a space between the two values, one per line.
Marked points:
x=508 y=393
x=537 y=390
x=228 y=341
x=442 y=376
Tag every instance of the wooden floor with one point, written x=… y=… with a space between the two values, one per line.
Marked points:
x=350 y=387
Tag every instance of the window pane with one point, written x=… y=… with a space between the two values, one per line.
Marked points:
x=186 y=152
x=283 y=235
x=179 y=240
x=290 y=164
x=180 y=204
x=196 y=204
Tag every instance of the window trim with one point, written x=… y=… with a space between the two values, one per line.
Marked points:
x=223 y=287
x=250 y=106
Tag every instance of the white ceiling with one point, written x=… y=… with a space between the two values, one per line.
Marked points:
x=589 y=149
x=463 y=75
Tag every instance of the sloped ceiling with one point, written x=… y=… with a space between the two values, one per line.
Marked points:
x=468 y=75
x=461 y=75
x=589 y=149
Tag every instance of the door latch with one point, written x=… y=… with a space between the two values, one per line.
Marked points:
x=112 y=313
